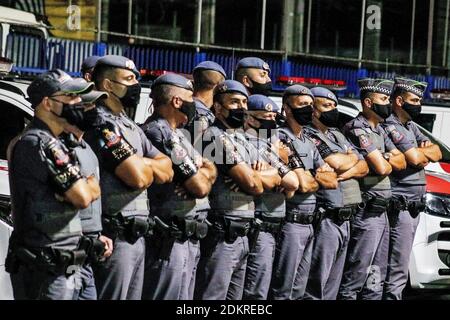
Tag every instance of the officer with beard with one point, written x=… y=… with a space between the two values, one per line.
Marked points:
x=253 y=73
x=335 y=206
x=367 y=253
x=173 y=251
x=408 y=186
x=129 y=164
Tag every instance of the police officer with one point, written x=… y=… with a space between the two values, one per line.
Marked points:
x=293 y=251
x=253 y=73
x=88 y=66
x=221 y=270
x=367 y=251
x=408 y=186
x=128 y=165
x=207 y=75
x=270 y=207
x=335 y=206
x=49 y=187
x=173 y=251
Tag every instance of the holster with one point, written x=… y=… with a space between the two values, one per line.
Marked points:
x=132 y=228
x=374 y=204
x=416 y=207
x=94 y=249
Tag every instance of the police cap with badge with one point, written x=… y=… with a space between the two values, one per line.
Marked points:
x=253 y=62
x=408 y=85
x=382 y=86
x=116 y=62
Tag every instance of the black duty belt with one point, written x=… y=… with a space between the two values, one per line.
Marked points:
x=340 y=214
x=302 y=218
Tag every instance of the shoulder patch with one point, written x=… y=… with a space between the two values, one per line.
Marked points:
x=396 y=135
x=364 y=141
x=111 y=137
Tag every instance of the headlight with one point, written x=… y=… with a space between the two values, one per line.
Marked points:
x=437 y=204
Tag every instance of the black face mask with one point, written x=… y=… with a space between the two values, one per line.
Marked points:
x=280 y=120
x=303 y=115
x=413 y=110
x=73 y=113
x=188 y=108
x=132 y=95
x=265 y=124
x=330 y=118
x=235 y=118
x=383 y=110
x=260 y=88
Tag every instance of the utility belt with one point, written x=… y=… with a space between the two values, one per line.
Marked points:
x=51 y=260
x=340 y=215
x=94 y=249
x=399 y=204
x=130 y=228
x=263 y=224
x=231 y=229
x=301 y=217
x=374 y=204
x=178 y=229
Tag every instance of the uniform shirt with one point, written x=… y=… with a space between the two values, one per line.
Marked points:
x=365 y=140
x=41 y=219
x=329 y=142
x=222 y=200
x=114 y=191
x=303 y=202
x=163 y=200
x=91 y=222
x=203 y=119
x=410 y=181
x=270 y=204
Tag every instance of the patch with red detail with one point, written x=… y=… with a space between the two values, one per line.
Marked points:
x=396 y=135
x=364 y=141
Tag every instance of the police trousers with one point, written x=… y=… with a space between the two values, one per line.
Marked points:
x=328 y=259
x=259 y=267
x=33 y=284
x=172 y=279
x=292 y=261
x=402 y=231
x=367 y=256
x=121 y=276
x=221 y=272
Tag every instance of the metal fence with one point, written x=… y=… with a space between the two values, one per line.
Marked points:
x=33 y=55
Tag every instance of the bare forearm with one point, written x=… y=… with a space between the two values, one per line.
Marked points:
x=357 y=171
x=269 y=178
x=162 y=169
x=433 y=153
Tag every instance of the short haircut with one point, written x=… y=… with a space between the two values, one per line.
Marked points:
x=102 y=72
x=366 y=95
x=398 y=92
x=240 y=73
x=162 y=94
x=202 y=80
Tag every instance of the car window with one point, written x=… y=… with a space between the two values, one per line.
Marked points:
x=12 y=122
x=426 y=120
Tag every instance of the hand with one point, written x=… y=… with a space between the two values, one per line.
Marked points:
x=108 y=246
x=260 y=165
x=425 y=144
x=325 y=168
x=68 y=128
